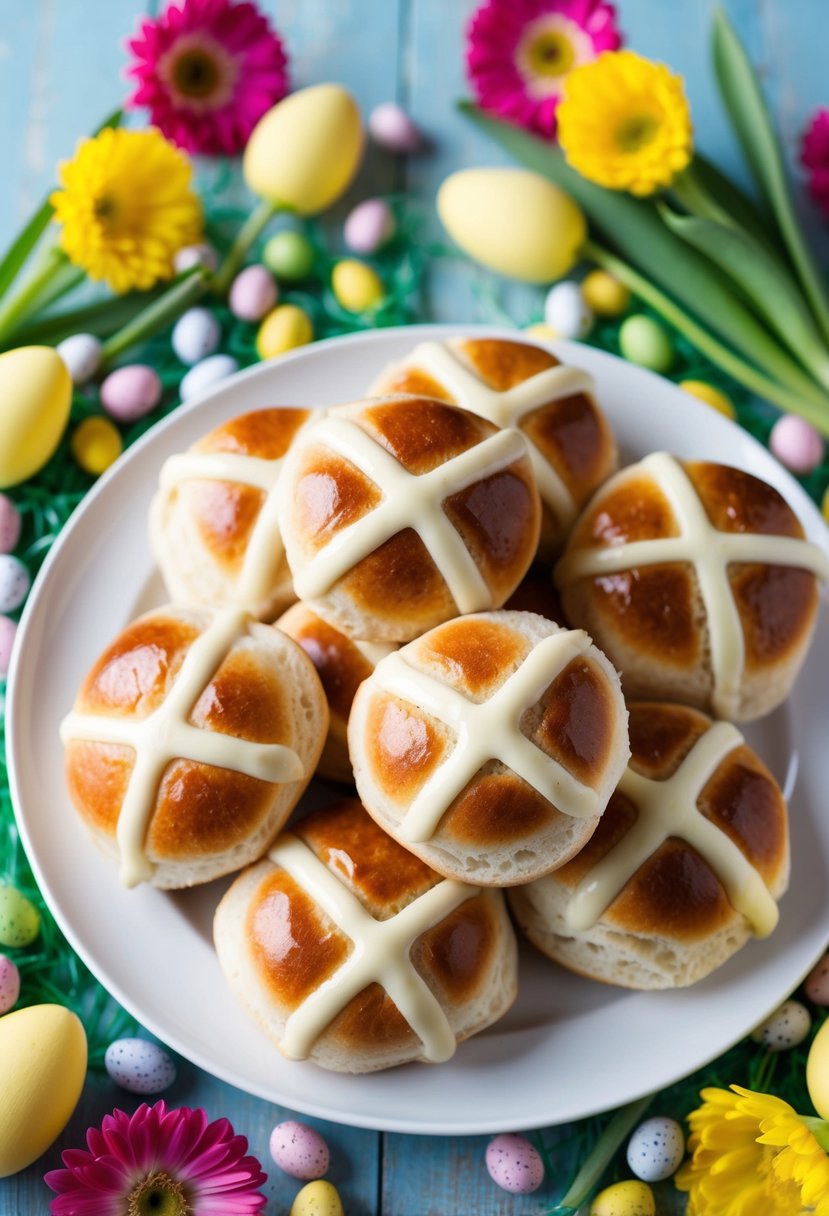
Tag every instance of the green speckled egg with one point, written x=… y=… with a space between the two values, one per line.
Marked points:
x=19 y=918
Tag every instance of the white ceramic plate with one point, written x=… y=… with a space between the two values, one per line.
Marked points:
x=569 y=1047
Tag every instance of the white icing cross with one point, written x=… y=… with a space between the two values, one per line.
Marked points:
x=508 y=408
x=409 y=501
x=380 y=955
x=166 y=735
x=711 y=552
x=669 y=809
x=489 y=731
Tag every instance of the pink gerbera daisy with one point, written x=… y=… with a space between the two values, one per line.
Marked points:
x=207 y=70
x=519 y=53
x=814 y=156
x=167 y=1161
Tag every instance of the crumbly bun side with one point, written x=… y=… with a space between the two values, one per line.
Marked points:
x=468 y=960
x=499 y=830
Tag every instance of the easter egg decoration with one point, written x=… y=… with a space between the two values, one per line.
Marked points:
x=393 y=129
x=195 y=255
x=356 y=286
x=299 y=1150
x=624 y=1199
x=656 y=1148
x=8 y=633
x=644 y=341
x=514 y=1164
x=253 y=293
x=82 y=355
x=36 y=392
x=715 y=397
x=204 y=375
x=287 y=327
x=289 y=255
x=196 y=334
x=796 y=444
x=369 y=226
x=787 y=1027
x=817 y=1071
x=19 y=918
x=140 y=1066
x=15 y=582
x=816 y=984
x=9 y=984
x=96 y=444
x=512 y=221
x=131 y=392
x=317 y=1199
x=566 y=312
x=42 y=1071
x=604 y=294
x=11 y=524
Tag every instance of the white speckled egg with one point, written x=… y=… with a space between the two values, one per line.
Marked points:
x=196 y=334
x=656 y=1148
x=514 y=1164
x=9 y=984
x=82 y=355
x=566 y=311
x=10 y=524
x=8 y=633
x=131 y=392
x=15 y=582
x=195 y=255
x=140 y=1066
x=368 y=226
x=253 y=294
x=299 y=1150
x=785 y=1028
x=203 y=376
x=393 y=129
x=317 y=1199
x=817 y=982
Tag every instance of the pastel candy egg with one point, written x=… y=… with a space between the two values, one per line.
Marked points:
x=289 y=255
x=82 y=355
x=513 y=221
x=96 y=444
x=566 y=312
x=824 y=505
x=604 y=294
x=317 y=1199
x=36 y=392
x=785 y=1028
x=299 y=1150
x=204 y=375
x=131 y=392
x=796 y=444
x=817 y=1071
x=10 y=524
x=714 y=397
x=196 y=334
x=514 y=1164
x=369 y=225
x=8 y=632
x=356 y=286
x=817 y=982
x=253 y=293
x=624 y=1199
x=656 y=1148
x=19 y=918
x=9 y=984
x=15 y=581
x=140 y=1066
x=644 y=341
x=42 y=1071
x=282 y=330
x=391 y=127
x=542 y=332
x=195 y=255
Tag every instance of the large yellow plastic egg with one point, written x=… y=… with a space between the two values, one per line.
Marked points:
x=817 y=1071
x=513 y=221
x=304 y=152
x=42 y=1071
x=35 y=396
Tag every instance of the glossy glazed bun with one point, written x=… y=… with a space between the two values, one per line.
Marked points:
x=352 y=953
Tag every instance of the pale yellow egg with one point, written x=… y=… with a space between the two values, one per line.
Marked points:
x=513 y=221
x=540 y=331
x=283 y=329
x=305 y=151
x=317 y=1199
x=817 y=1071
x=630 y=1198
x=35 y=396
x=605 y=294
x=356 y=286
x=714 y=397
x=42 y=1071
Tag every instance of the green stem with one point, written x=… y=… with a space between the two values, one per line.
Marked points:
x=590 y=1173
x=185 y=291
x=253 y=226
x=65 y=279
x=690 y=191
x=16 y=308
x=705 y=342
x=102 y=318
x=17 y=253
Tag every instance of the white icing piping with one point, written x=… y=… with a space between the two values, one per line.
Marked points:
x=380 y=955
x=669 y=809
x=166 y=735
x=488 y=731
x=711 y=552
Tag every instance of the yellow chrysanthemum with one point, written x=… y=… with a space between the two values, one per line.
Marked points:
x=624 y=123
x=752 y=1154
x=126 y=207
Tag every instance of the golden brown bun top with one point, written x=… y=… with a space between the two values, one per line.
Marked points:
x=676 y=893
x=340 y=664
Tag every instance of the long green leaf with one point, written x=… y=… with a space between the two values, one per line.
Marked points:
x=102 y=318
x=636 y=229
x=23 y=244
x=769 y=289
x=748 y=215
x=743 y=99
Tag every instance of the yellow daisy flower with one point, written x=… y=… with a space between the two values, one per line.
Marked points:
x=752 y=1154
x=126 y=207
x=624 y=123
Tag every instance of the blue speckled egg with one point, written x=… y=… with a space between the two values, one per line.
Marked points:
x=656 y=1149
x=140 y=1066
x=196 y=334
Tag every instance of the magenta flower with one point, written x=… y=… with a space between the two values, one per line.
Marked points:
x=207 y=70
x=519 y=53
x=168 y=1161
x=814 y=156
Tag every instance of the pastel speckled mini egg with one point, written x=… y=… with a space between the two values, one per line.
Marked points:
x=10 y=524
x=15 y=581
x=656 y=1148
x=9 y=984
x=785 y=1028
x=139 y=1066
x=19 y=918
x=817 y=982
x=514 y=1164
x=317 y=1199
x=625 y=1199
x=299 y=1150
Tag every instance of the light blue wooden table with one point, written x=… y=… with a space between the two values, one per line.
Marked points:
x=60 y=73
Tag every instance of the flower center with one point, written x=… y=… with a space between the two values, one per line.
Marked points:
x=636 y=132
x=550 y=47
x=199 y=73
x=105 y=209
x=158 y=1195
x=195 y=74
x=552 y=54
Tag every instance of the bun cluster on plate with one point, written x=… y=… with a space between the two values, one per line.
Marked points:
x=502 y=740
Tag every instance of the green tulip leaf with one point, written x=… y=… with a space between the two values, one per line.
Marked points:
x=23 y=244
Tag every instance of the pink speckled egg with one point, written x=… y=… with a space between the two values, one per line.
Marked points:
x=514 y=1164
x=796 y=444
x=8 y=632
x=10 y=524
x=368 y=226
x=253 y=294
x=131 y=392
x=299 y=1150
x=817 y=982
x=9 y=984
x=392 y=128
